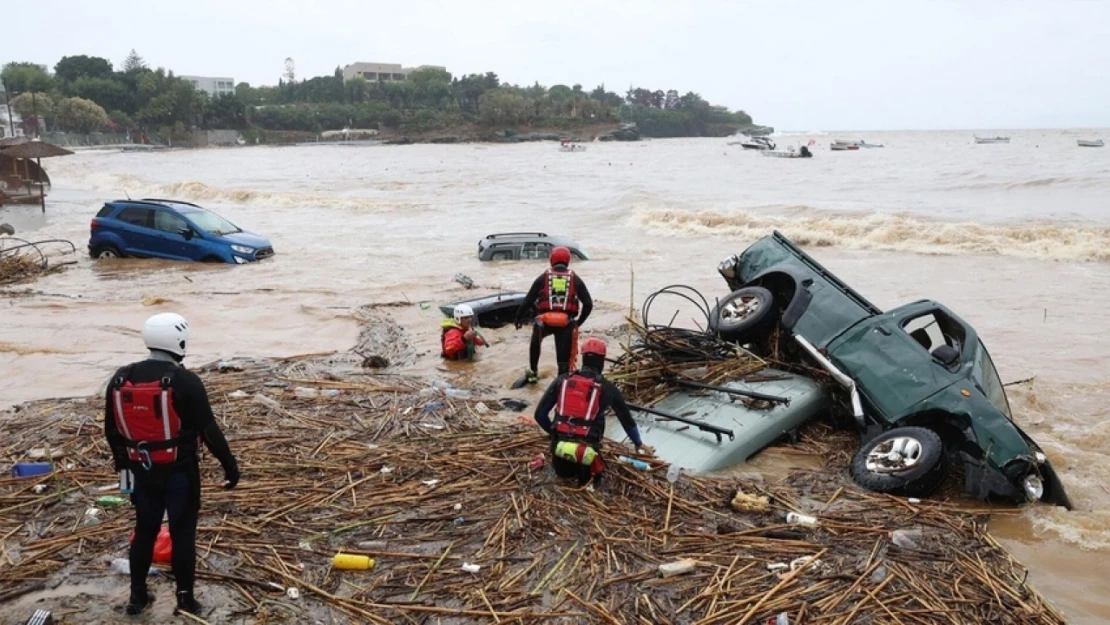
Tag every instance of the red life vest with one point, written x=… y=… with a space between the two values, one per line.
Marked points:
x=577 y=407
x=558 y=292
x=146 y=417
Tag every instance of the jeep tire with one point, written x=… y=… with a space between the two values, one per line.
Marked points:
x=745 y=316
x=907 y=461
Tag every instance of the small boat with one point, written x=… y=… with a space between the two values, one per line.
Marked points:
x=864 y=144
x=572 y=147
x=841 y=147
x=992 y=139
x=1090 y=143
x=803 y=152
x=756 y=143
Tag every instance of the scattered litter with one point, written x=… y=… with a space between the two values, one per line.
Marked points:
x=351 y=562
x=800 y=519
x=39 y=488
x=906 y=539
x=481 y=408
x=777 y=566
x=471 y=568
x=639 y=464
x=432 y=426
x=914 y=500
x=387 y=469
x=330 y=392
x=38 y=453
x=302 y=392
x=259 y=398
x=430 y=482
x=673 y=472
x=92 y=513
x=371 y=446
x=305 y=545
x=459 y=521
x=457 y=507
x=110 y=500
x=292 y=593
x=464 y=280
x=275 y=384
x=371 y=544
x=224 y=365
x=515 y=405
x=432 y=406
x=677 y=568
x=744 y=502
x=802 y=561
x=238 y=395
x=537 y=462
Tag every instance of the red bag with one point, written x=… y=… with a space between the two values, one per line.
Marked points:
x=163 y=546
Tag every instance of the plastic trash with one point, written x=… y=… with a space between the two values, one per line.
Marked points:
x=673 y=473
x=471 y=568
x=671 y=569
x=38 y=453
x=163 y=545
x=800 y=519
x=457 y=507
x=123 y=567
x=259 y=398
x=349 y=562
x=238 y=395
x=782 y=618
x=305 y=392
x=30 y=469
x=906 y=539
x=441 y=384
x=459 y=521
x=639 y=464
x=914 y=500
x=428 y=391
x=537 y=462
x=432 y=406
x=39 y=488
x=481 y=408
x=292 y=593
x=330 y=392
x=225 y=365
x=369 y=545
x=110 y=500
x=457 y=393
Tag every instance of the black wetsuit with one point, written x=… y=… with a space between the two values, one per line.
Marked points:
x=563 y=336
x=611 y=398
x=169 y=489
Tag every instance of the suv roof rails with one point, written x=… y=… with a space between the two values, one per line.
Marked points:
x=160 y=200
x=515 y=234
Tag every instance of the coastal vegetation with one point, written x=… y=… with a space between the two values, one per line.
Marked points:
x=86 y=93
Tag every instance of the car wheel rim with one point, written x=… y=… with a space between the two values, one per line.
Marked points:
x=107 y=254
x=895 y=455
x=740 y=308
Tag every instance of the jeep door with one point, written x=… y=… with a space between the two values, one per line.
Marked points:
x=168 y=227
x=891 y=358
x=136 y=228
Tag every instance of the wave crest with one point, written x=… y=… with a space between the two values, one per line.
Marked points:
x=890 y=232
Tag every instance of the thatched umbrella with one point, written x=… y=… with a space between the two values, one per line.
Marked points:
x=13 y=141
x=36 y=149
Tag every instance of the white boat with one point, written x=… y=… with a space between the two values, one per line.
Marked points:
x=755 y=143
x=853 y=145
x=802 y=153
x=992 y=139
x=572 y=147
x=1090 y=143
x=841 y=147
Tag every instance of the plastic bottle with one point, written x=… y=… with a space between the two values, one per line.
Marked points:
x=639 y=464
x=673 y=473
x=110 y=500
x=123 y=567
x=458 y=393
x=349 y=562
x=800 y=519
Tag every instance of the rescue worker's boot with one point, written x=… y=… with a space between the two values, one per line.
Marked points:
x=187 y=603
x=138 y=602
x=531 y=377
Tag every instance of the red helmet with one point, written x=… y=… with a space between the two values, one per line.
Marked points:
x=593 y=346
x=560 y=256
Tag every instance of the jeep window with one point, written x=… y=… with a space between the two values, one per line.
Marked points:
x=107 y=210
x=211 y=222
x=168 y=222
x=137 y=216
x=986 y=376
x=933 y=329
x=535 y=250
x=502 y=255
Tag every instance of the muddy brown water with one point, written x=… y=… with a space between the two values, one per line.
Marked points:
x=1015 y=238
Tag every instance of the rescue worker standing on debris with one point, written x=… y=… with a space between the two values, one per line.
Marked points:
x=559 y=303
x=580 y=400
x=156 y=413
x=458 y=339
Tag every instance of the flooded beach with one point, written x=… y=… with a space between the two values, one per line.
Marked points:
x=1015 y=238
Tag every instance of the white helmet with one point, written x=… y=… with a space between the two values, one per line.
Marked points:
x=463 y=311
x=168 y=332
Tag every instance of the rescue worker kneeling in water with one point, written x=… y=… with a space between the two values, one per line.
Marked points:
x=459 y=340
x=554 y=301
x=155 y=415
x=580 y=400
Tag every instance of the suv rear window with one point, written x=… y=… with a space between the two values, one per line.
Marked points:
x=104 y=212
x=137 y=216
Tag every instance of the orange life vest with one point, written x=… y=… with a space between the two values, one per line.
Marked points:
x=558 y=292
x=145 y=415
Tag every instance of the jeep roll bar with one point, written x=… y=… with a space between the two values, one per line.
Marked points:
x=701 y=425
x=775 y=399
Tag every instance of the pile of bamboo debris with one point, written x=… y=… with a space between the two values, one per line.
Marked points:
x=22 y=260
x=463 y=530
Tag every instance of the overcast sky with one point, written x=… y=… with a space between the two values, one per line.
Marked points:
x=822 y=65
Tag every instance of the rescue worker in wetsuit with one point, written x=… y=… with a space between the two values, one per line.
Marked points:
x=156 y=413
x=580 y=400
x=458 y=339
x=559 y=303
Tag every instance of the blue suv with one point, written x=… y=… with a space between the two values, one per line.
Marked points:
x=174 y=230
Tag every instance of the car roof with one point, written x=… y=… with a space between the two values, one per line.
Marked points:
x=525 y=237
x=174 y=205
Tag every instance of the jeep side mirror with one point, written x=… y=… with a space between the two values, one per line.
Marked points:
x=946 y=355
x=186 y=232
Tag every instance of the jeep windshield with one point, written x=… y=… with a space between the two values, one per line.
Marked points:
x=211 y=222
x=986 y=376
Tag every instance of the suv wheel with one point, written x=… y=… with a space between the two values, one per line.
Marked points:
x=907 y=461
x=106 y=251
x=745 y=316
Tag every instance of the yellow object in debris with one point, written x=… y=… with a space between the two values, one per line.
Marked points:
x=351 y=562
x=744 y=502
x=579 y=453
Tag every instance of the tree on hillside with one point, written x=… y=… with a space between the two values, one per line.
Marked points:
x=24 y=77
x=70 y=68
x=26 y=105
x=133 y=62
x=82 y=115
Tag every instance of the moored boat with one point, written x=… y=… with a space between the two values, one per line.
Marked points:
x=979 y=139
x=1090 y=143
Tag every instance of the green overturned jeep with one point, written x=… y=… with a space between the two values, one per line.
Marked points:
x=920 y=384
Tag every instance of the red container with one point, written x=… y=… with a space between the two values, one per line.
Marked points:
x=163 y=546
x=537 y=462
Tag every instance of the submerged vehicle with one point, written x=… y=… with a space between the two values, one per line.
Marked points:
x=919 y=382
x=526 y=246
x=491 y=311
x=172 y=229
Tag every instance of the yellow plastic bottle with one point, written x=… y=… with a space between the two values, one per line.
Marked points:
x=349 y=562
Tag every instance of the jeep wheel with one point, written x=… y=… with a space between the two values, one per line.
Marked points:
x=745 y=316
x=106 y=251
x=907 y=461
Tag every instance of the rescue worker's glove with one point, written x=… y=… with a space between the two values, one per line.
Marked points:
x=518 y=323
x=231 y=475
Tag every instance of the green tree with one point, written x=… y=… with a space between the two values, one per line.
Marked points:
x=71 y=68
x=133 y=62
x=25 y=77
x=27 y=104
x=81 y=115
x=110 y=93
